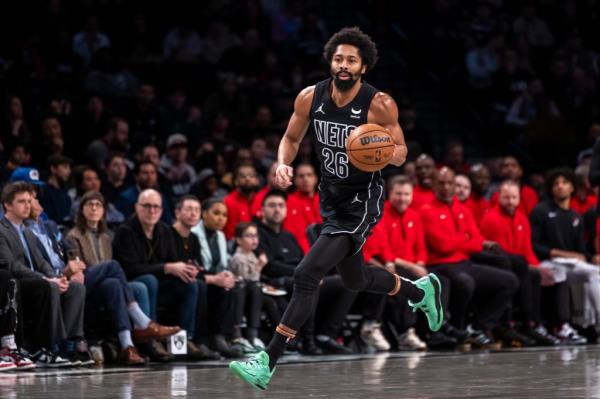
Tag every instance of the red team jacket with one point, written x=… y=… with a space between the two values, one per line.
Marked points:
x=529 y=199
x=256 y=207
x=478 y=206
x=302 y=211
x=421 y=196
x=451 y=233
x=582 y=207
x=238 y=210
x=512 y=233
x=397 y=236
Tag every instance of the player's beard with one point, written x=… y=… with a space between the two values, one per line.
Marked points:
x=344 y=85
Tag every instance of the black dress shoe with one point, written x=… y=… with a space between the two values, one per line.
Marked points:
x=156 y=352
x=220 y=344
x=331 y=346
x=439 y=340
x=310 y=348
x=456 y=333
x=201 y=352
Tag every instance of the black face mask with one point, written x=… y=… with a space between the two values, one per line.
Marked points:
x=344 y=85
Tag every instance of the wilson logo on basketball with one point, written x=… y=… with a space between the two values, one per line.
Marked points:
x=374 y=139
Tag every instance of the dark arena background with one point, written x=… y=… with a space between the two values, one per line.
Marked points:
x=142 y=249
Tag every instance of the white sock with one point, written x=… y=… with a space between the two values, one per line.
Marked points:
x=8 y=341
x=125 y=339
x=140 y=320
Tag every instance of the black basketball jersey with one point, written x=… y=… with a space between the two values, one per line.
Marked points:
x=330 y=126
x=351 y=200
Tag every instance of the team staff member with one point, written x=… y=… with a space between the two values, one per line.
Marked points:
x=512 y=231
x=303 y=205
x=452 y=237
x=239 y=201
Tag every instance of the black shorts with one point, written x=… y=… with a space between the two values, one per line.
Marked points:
x=352 y=210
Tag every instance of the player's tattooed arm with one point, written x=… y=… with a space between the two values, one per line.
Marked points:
x=384 y=112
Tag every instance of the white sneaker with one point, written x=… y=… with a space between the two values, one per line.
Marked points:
x=258 y=344
x=6 y=363
x=410 y=340
x=569 y=335
x=371 y=333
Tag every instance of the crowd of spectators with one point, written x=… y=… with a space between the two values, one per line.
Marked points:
x=138 y=147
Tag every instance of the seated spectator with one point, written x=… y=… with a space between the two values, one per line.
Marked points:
x=87 y=180
x=105 y=281
x=303 y=207
x=463 y=188
x=283 y=255
x=510 y=169
x=479 y=176
x=557 y=238
x=584 y=197
x=146 y=178
x=454 y=157
x=89 y=40
x=422 y=192
x=187 y=245
x=116 y=179
x=247 y=267
x=11 y=325
x=115 y=140
x=174 y=166
x=52 y=144
x=145 y=248
x=219 y=279
x=452 y=236
x=398 y=244
x=55 y=195
x=17 y=156
x=207 y=186
x=239 y=202
x=512 y=231
x=61 y=312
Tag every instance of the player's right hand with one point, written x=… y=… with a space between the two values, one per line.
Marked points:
x=283 y=176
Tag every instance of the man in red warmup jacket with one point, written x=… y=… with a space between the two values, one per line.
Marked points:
x=452 y=237
x=512 y=231
x=422 y=192
x=303 y=205
x=510 y=169
x=398 y=244
x=239 y=201
x=257 y=202
x=480 y=183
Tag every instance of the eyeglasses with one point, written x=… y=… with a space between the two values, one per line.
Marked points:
x=151 y=207
x=94 y=204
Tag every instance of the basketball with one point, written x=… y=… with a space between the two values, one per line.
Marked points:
x=370 y=147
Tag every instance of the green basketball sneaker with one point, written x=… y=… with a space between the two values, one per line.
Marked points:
x=431 y=304
x=254 y=371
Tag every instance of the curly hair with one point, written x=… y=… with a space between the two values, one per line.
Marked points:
x=554 y=174
x=354 y=37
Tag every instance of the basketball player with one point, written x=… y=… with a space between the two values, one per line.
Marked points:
x=351 y=200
